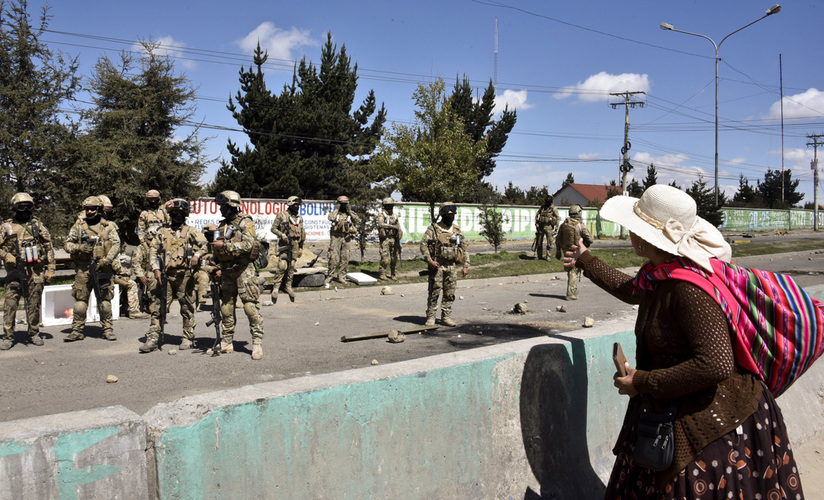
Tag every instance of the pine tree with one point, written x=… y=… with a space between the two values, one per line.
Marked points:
x=34 y=84
x=770 y=189
x=705 y=200
x=570 y=179
x=652 y=177
x=746 y=195
x=306 y=141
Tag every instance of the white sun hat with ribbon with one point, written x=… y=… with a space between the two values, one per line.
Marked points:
x=667 y=218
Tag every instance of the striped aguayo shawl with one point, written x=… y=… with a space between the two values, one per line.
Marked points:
x=779 y=328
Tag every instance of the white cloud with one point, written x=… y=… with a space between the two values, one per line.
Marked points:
x=589 y=156
x=598 y=87
x=277 y=41
x=809 y=104
x=514 y=99
x=168 y=47
x=735 y=161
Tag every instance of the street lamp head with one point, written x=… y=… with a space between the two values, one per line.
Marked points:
x=775 y=9
x=666 y=26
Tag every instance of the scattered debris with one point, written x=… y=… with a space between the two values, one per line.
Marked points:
x=561 y=309
x=317 y=323
x=378 y=335
x=460 y=297
x=172 y=352
x=111 y=379
x=588 y=322
x=520 y=308
x=396 y=337
x=375 y=362
x=387 y=290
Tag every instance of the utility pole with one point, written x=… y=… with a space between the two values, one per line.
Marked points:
x=814 y=166
x=626 y=166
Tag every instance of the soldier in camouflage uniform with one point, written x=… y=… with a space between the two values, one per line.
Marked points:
x=546 y=223
x=569 y=234
x=142 y=267
x=344 y=226
x=92 y=239
x=288 y=227
x=445 y=251
x=179 y=248
x=25 y=239
x=389 y=235
x=155 y=217
x=123 y=275
x=234 y=250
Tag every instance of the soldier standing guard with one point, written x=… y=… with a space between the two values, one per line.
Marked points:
x=122 y=273
x=344 y=227
x=142 y=267
x=26 y=248
x=288 y=227
x=389 y=234
x=570 y=232
x=546 y=222
x=92 y=240
x=176 y=251
x=234 y=249
x=155 y=217
x=444 y=249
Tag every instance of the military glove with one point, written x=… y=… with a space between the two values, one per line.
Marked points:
x=11 y=260
x=49 y=276
x=86 y=248
x=104 y=262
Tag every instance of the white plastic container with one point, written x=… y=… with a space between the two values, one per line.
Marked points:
x=57 y=302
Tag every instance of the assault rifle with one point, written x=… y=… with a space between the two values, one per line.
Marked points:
x=214 y=293
x=162 y=293
x=98 y=278
x=19 y=274
x=313 y=261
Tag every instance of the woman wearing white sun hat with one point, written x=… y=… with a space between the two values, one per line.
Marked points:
x=729 y=434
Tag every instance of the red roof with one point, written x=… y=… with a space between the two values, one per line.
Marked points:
x=591 y=192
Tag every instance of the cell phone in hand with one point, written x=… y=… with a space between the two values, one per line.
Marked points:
x=619 y=359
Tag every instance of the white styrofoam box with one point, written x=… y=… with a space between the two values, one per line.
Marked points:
x=361 y=278
x=57 y=301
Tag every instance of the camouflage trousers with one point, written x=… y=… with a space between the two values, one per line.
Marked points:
x=338 y=258
x=202 y=279
x=81 y=291
x=180 y=286
x=153 y=306
x=12 y=301
x=284 y=270
x=443 y=280
x=389 y=255
x=543 y=242
x=573 y=276
x=240 y=282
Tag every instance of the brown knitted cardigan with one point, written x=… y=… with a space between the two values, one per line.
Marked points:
x=684 y=358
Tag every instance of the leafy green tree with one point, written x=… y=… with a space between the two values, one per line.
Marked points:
x=134 y=136
x=34 y=84
x=478 y=122
x=746 y=195
x=428 y=159
x=307 y=140
x=612 y=190
x=536 y=196
x=570 y=179
x=634 y=189
x=652 y=177
x=492 y=225
x=769 y=190
x=513 y=195
x=705 y=200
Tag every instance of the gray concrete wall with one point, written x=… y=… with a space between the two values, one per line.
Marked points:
x=534 y=416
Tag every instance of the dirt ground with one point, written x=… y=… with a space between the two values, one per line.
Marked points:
x=304 y=338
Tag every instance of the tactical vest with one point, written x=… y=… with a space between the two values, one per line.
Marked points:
x=235 y=232
x=177 y=251
x=343 y=224
x=448 y=244
x=155 y=219
x=546 y=217
x=388 y=232
x=100 y=238
x=28 y=240
x=291 y=227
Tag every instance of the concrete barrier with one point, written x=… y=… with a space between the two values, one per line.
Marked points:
x=526 y=419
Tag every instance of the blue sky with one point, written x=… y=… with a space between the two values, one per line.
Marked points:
x=557 y=62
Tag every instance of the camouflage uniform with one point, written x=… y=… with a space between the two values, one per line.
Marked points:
x=390 y=233
x=546 y=222
x=142 y=266
x=85 y=243
x=177 y=245
x=344 y=227
x=288 y=227
x=234 y=259
x=444 y=245
x=123 y=275
x=28 y=242
x=152 y=218
x=569 y=233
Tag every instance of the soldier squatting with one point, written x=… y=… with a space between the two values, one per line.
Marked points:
x=173 y=261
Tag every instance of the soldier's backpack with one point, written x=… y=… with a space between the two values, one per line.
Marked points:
x=779 y=328
x=568 y=234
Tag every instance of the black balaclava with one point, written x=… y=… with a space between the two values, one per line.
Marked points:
x=154 y=203
x=94 y=216
x=23 y=212
x=227 y=211
x=293 y=209
x=178 y=218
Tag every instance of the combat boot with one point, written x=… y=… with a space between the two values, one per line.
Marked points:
x=73 y=336
x=447 y=321
x=290 y=292
x=109 y=335
x=430 y=321
x=257 y=351
x=274 y=296
x=383 y=277
x=5 y=345
x=227 y=347
x=35 y=339
x=185 y=344
x=137 y=315
x=149 y=346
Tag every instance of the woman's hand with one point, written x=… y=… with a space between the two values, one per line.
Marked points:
x=624 y=384
x=575 y=251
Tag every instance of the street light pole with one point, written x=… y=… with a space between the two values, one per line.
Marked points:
x=775 y=9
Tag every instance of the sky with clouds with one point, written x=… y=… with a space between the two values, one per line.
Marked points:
x=556 y=63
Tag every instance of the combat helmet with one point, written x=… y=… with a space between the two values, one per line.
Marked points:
x=153 y=193
x=178 y=205
x=92 y=202
x=343 y=199
x=575 y=210
x=448 y=207
x=230 y=198
x=293 y=200
x=21 y=198
x=107 y=203
x=388 y=201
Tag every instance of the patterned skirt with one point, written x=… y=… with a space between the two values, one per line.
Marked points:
x=753 y=461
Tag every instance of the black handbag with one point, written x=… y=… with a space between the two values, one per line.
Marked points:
x=655 y=441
